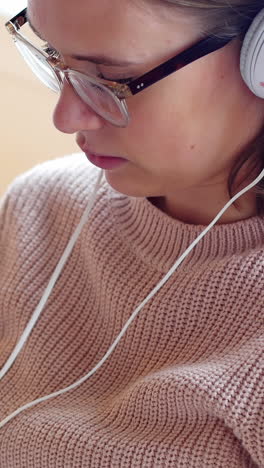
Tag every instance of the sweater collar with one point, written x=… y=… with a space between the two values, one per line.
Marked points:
x=159 y=239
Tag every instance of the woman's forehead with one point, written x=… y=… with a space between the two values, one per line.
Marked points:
x=89 y=15
x=69 y=25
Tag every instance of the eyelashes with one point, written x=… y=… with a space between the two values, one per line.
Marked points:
x=51 y=52
x=121 y=80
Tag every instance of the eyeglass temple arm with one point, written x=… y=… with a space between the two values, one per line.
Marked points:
x=17 y=21
x=202 y=48
x=199 y=50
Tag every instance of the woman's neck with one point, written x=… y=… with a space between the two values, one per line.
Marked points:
x=200 y=206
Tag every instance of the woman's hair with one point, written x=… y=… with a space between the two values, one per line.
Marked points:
x=230 y=19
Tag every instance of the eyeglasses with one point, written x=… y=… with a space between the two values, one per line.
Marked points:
x=106 y=98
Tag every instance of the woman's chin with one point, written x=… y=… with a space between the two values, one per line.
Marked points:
x=127 y=184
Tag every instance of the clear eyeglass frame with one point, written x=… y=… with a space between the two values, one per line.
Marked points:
x=114 y=94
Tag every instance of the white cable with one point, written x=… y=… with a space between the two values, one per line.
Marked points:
x=34 y=318
x=136 y=312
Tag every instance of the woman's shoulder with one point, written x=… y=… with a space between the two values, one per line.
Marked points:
x=62 y=177
x=47 y=191
x=52 y=174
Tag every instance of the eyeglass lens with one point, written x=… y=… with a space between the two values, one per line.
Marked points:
x=39 y=66
x=99 y=98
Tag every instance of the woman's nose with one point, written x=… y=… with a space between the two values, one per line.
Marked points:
x=72 y=115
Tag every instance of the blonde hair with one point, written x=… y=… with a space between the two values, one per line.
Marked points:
x=225 y=18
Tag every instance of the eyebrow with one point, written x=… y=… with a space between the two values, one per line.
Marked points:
x=98 y=60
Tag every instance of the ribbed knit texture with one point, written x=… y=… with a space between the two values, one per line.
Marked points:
x=185 y=386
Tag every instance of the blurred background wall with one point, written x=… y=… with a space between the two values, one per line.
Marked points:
x=27 y=134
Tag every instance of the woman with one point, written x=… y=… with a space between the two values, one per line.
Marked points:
x=184 y=385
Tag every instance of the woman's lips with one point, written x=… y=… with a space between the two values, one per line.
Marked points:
x=106 y=162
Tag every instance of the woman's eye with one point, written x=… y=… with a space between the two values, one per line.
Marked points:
x=117 y=80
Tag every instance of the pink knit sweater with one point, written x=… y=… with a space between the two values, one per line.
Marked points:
x=185 y=386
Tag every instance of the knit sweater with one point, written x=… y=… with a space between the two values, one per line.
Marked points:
x=184 y=387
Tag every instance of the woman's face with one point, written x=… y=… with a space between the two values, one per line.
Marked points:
x=186 y=130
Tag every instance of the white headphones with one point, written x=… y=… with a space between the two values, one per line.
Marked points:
x=252 y=56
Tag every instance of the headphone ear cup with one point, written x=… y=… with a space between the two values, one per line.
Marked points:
x=252 y=56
